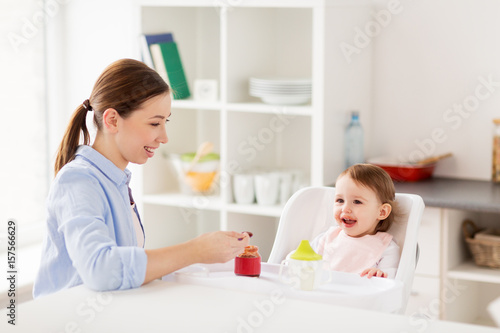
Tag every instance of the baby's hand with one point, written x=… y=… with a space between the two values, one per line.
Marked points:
x=369 y=272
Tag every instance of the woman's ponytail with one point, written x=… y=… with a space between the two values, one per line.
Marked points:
x=71 y=140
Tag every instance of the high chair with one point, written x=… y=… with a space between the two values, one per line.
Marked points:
x=310 y=211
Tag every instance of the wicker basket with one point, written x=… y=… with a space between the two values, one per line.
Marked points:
x=485 y=248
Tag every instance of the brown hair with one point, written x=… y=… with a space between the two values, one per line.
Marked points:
x=380 y=182
x=124 y=86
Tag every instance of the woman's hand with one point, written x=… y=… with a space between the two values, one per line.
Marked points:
x=209 y=248
x=369 y=272
x=220 y=246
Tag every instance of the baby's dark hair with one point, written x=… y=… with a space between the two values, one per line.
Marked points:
x=375 y=178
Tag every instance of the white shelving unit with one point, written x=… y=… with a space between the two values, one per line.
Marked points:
x=469 y=271
x=231 y=41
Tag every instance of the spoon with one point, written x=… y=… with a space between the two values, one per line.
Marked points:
x=204 y=149
x=433 y=159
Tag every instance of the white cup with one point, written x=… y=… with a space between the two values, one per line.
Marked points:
x=243 y=188
x=286 y=186
x=267 y=188
x=303 y=274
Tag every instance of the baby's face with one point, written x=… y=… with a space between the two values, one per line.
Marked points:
x=357 y=208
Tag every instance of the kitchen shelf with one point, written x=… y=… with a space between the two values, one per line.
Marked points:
x=244 y=4
x=207 y=202
x=471 y=272
x=483 y=321
x=185 y=201
x=273 y=211
x=197 y=105
x=274 y=109
x=254 y=107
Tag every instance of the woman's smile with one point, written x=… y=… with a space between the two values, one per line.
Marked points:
x=150 y=151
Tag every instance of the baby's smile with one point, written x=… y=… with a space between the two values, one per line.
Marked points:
x=348 y=221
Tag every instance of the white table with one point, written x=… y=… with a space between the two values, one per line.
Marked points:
x=337 y=288
x=165 y=306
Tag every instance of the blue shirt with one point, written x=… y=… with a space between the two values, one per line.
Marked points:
x=91 y=237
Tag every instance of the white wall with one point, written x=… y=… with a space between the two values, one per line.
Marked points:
x=24 y=175
x=24 y=167
x=90 y=35
x=428 y=59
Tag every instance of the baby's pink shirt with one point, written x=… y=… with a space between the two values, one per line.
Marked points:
x=352 y=254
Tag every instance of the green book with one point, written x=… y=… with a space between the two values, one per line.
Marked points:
x=167 y=62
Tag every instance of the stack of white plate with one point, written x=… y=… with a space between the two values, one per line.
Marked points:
x=281 y=91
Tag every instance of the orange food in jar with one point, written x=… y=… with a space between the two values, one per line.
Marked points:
x=251 y=251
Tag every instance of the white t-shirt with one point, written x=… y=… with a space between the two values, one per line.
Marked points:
x=138 y=228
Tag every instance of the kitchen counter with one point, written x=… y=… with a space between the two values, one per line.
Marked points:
x=470 y=195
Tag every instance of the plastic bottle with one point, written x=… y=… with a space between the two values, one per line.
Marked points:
x=495 y=170
x=353 y=141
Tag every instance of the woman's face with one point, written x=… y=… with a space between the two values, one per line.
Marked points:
x=143 y=130
x=357 y=208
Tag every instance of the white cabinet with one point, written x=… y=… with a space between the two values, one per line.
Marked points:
x=424 y=301
x=231 y=42
x=429 y=240
x=448 y=285
x=466 y=289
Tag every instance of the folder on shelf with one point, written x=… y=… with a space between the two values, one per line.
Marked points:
x=146 y=40
x=168 y=64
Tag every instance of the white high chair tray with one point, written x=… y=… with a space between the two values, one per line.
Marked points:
x=345 y=289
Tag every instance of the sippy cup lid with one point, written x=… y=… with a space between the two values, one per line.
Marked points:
x=305 y=252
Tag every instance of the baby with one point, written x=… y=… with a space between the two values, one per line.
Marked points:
x=364 y=211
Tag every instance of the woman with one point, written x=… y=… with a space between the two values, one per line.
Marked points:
x=94 y=234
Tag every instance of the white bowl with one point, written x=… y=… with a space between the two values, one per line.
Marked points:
x=286 y=99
